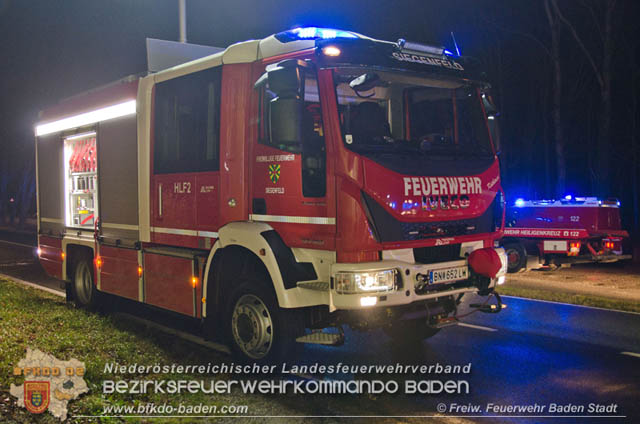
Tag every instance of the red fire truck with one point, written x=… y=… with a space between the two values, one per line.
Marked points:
x=560 y=232
x=280 y=188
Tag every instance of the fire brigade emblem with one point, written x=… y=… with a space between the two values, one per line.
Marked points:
x=274 y=172
x=36 y=396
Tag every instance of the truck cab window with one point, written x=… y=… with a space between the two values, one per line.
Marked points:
x=187 y=123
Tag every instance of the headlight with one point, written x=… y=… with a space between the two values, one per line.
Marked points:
x=366 y=282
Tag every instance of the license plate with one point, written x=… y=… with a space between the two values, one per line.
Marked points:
x=445 y=275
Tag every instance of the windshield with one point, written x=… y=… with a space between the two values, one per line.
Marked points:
x=386 y=113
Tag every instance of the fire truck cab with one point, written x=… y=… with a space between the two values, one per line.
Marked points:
x=312 y=179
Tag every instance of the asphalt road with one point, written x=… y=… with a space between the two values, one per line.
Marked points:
x=532 y=353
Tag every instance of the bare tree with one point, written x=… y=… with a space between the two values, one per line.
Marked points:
x=4 y=187
x=26 y=194
x=553 y=19
x=602 y=72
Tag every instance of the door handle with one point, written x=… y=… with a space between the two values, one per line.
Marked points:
x=160 y=200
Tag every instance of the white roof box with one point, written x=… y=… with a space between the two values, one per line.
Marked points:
x=163 y=54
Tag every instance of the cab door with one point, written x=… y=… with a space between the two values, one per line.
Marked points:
x=292 y=183
x=185 y=168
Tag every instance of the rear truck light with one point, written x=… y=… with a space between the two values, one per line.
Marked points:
x=574 y=249
x=612 y=244
x=489 y=262
x=366 y=282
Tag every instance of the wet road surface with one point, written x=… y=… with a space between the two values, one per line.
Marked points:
x=532 y=353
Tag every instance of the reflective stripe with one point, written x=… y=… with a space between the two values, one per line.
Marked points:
x=294 y=219
x=180 y=232
x=120 y=226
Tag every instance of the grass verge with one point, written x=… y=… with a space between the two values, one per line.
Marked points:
x=39 y=320
x=573 y=298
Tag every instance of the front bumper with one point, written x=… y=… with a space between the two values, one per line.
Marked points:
x=406 y=292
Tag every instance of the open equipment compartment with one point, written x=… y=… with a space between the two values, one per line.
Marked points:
x=81 y=180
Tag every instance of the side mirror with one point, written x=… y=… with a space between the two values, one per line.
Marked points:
x=286 y=81
x=285 y=120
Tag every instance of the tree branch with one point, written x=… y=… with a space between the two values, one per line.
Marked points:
x=579 y=41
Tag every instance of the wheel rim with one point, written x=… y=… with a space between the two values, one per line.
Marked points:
x=252 y=326
x=513 y=256
x=83 y=283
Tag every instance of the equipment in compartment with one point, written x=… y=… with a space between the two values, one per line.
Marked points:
x=81 y=185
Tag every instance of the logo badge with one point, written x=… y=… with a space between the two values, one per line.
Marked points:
x=274 y=172
x=36 y=396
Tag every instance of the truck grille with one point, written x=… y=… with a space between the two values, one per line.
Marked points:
x=422 y=230
x=388 y=229
x=434 y=254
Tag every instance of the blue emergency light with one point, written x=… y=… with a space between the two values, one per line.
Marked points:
x=311 y=33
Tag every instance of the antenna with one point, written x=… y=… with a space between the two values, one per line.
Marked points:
x=182 y=7
x=455 y=43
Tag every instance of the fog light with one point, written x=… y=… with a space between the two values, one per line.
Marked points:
x=368 y=301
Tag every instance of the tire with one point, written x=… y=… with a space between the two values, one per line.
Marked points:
x=516 y=257
x=410 y=331
x=258 y=330
x=85 y=293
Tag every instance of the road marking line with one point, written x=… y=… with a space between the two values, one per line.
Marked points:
x=30 y=246
x=477 y=327
x=637 y=355
x=35 y=286
x=571 y=304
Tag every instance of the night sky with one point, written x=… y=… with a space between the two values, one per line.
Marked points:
x=52 y=49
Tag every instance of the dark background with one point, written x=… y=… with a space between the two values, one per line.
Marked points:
x=52 y=49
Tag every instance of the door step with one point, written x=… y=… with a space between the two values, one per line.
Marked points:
x=314 y=285
x=446 y=322
x=319 y=337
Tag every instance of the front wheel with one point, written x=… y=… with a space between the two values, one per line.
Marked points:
x=85 y=293
x=258 y=329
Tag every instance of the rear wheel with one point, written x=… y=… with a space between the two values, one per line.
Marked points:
x=516 y=257
x=85 y=293
x=257 y=328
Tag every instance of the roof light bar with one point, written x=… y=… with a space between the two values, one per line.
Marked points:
x=104 y=114
x=419 y=48
x=307 y=33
